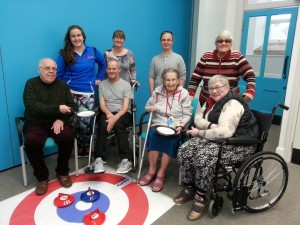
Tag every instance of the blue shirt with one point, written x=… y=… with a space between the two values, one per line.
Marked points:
x=81 y=75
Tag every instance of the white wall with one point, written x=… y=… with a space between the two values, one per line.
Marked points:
x=296 y=143
x=213 y=17
x=290 y=133
x=210 y=18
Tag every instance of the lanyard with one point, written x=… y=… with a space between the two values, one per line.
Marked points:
x=169 y=118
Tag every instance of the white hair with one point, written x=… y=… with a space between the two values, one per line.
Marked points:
x=218 y=78
x=41 y=62
x=225 y=34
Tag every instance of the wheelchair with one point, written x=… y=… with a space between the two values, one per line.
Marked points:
x=259 y=182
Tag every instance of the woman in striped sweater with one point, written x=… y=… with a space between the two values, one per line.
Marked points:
x=227 y=62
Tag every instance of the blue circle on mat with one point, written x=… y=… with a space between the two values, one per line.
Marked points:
x=72 y=214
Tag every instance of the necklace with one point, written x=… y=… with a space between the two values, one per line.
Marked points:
x=118 y=53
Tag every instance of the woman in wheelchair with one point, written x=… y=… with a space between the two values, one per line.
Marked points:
x=225 y=114
x=171 y=108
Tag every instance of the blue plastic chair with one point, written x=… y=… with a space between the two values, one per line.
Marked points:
x=50 y=143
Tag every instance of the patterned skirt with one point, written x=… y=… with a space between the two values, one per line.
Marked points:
x=198 y=159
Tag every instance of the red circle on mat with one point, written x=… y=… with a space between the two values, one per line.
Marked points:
x=136 y=214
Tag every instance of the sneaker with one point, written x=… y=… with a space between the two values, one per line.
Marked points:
x=125 y=166
x=99 y=165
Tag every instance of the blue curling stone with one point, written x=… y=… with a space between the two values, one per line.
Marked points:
x=90 y=196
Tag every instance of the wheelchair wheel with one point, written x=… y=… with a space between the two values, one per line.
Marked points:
x=215 y=206
x=263 y=178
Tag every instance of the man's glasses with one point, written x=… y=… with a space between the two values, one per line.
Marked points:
x=48 y=68
x=220 y=41
x=217 y=88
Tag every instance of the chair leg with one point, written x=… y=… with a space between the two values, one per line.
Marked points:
x=179 y=178
x=76 y=156
x=140 y=149
x=23 y=166
x=133 y=150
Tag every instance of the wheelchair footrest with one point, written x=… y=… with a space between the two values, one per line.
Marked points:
x=239 y=198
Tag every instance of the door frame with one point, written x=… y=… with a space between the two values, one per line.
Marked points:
x=291 y=33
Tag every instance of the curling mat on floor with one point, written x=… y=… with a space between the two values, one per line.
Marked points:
x=121 y=199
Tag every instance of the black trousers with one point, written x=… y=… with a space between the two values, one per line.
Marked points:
x=34 y=141
x=120 y=132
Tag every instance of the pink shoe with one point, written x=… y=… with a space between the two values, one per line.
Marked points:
x=147 y=179
x=158 y=184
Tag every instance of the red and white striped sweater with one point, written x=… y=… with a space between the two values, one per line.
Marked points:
x=234 y=66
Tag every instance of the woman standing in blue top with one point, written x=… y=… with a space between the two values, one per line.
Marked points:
x=76 y=66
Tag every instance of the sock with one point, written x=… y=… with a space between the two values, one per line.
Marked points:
x=200 y=197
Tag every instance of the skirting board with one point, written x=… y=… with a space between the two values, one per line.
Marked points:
x=296 y=156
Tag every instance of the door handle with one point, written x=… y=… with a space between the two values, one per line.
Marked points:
x=286 y=59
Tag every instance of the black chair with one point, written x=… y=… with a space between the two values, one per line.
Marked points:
x=256 y=184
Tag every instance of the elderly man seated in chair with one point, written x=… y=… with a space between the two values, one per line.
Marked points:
x=114 y=96
x=48 y=105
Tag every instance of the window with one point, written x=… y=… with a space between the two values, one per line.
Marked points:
x=265 y=4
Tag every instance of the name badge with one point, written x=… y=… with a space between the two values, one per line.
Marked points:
x=170 y=120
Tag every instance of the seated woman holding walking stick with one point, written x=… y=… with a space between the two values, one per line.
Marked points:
x=171 y=108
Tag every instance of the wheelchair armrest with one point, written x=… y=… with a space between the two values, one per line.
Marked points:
x=141 y=123
x=242 y=141
x=188 y=125
x=19 y=124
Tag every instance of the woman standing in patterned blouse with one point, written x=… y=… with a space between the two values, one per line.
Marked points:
x=123 y=55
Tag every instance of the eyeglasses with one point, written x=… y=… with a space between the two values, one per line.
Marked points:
x=220 y=41
x=166 y=40
x=48 y=68
x=217 y=88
